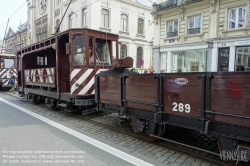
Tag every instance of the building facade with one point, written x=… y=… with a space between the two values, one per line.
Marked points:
x=128 y=18
x=201 y=35
x=15 y=40
x=2 y=47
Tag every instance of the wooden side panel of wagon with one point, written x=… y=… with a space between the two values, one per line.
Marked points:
x=141 y=92
x=109 y=89
x=182 y=95
x=230 y=94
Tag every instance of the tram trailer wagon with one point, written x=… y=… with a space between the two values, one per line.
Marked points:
x=211 y=103
x=60 y=70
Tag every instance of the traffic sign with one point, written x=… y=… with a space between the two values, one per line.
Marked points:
x=141 y=62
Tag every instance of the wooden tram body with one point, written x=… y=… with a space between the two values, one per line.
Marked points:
x=61 y=70
x=211 y=103
x=8 y=64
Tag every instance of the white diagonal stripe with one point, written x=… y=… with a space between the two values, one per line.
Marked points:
x=74 y=73
x=81 y=79
x=88 y=86
x=49 y=77
x=2 y=71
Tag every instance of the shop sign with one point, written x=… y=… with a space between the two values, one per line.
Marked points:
x=242 y=43
x=171 y=41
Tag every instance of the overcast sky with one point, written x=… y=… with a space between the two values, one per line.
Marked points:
x=8 y=8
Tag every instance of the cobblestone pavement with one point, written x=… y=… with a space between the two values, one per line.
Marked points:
x=135 y=145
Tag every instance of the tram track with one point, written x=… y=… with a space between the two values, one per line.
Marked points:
x=209 y=156
x=194 y=151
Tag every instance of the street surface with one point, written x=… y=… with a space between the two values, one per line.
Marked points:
x=57 y=137
x=28 y=140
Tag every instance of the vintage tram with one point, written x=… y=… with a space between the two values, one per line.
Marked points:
x=8 y=64
x=61 y=69
x=76 y=68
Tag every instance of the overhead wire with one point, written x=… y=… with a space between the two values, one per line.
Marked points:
x=13 y=14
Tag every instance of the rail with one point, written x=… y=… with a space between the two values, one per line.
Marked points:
x=173 y=3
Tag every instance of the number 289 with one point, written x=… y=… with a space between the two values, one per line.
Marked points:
x=181 y=107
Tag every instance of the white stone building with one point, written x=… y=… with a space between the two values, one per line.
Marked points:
x=128 y=18
x=201 y=35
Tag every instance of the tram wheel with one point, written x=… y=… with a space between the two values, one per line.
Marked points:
x=159 y=131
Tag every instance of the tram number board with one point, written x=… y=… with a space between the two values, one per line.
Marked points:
x=180 y=107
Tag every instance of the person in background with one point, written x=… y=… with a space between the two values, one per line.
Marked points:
x=161 y=71
x=151 y=70
x=12 y=82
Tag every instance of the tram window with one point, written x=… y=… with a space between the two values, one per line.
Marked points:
x=102 y=53
x=9 y=63
x=91 y=53
x=79 y=51
x=42 y=60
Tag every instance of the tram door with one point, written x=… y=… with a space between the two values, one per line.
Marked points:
x=223 y=59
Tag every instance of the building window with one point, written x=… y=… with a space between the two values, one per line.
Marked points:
x=123 y=51
x=84 y=18
x=189 y=61
x=194 y=24
x=139 y=56
x=140 y=26
x=164 y=62
x=105 y=18
x=124 y=22
x=242 y=59
x=237 y=18
x=70 y=20
x=172 y=28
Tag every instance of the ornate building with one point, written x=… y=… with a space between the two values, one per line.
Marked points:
x=128 y=18
x=201 y=35
x=15 y=40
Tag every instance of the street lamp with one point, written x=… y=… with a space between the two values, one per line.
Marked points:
x=155 y=6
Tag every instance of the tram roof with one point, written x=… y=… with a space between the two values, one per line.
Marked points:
x=8 y=55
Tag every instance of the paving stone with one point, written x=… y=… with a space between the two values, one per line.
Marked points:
x=166 y=162
x=172 y=159
x=186 y=163
x=184 y=156
x=158 y=154
x=174 y=164
x=161 y=159
x=195 y=164
x=190 y=159
x=168 y=154
x=177 y=155
x=205 y=163
x=180 y=160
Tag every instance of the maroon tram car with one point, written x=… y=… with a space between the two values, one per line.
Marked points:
x=212 y=103
x=60 y=70
x=8 y=64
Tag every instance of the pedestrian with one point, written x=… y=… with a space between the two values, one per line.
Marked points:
x=151 y=70
x=12 y=83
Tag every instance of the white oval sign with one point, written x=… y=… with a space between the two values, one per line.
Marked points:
x=181 y=81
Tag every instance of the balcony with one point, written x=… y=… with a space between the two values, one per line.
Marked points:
x=173 y=3
x=194 y=31
x=172 y=34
